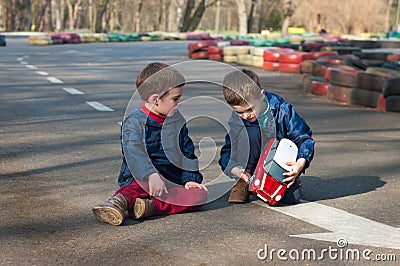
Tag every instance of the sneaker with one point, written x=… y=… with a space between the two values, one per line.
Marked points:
x=143 y=208
x=112 y=211
x=239 y=192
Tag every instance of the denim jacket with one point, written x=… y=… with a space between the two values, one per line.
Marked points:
x=149 y=147
x=286 y=123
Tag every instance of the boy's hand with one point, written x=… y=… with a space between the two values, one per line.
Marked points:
x=192 y=184
x=296 y=170
x=156 y=185
x=240 y=173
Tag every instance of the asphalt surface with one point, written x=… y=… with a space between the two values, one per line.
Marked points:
x=60 y=157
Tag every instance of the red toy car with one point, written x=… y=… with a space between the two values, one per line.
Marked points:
x=266 y=181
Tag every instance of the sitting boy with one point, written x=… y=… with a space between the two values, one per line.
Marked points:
x=257 y=116
x=159 y=173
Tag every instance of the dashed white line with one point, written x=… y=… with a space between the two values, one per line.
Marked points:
x=31 y=66
x=100 y=107
x=23 y=62
x=42 y=73
x=54 y=80
x=73 y=91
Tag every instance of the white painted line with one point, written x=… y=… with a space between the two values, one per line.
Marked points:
x=54 y=80
x=99 y=107
x=31 y=66
x=42 y=73
x=120 y=123
x=73 y=91
x=23 y=63
x=20 y=59
x=341 y=224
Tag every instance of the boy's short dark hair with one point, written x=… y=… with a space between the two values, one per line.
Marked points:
x=241 y=86
x=158 y=78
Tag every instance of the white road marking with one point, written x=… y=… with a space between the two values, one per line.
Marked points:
x=42 y=73
x=31 y=66
x=23 y=62
x=73 y=91
x=20 y=59
x=100 y=107
x=54 y=80
x=341 y=224
x=120 y=123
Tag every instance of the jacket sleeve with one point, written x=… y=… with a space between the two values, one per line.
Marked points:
x=190 y=164
x=228 y=154
x=293 y=127
x=134 y=148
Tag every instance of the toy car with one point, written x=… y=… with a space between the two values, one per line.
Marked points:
x=266 y=181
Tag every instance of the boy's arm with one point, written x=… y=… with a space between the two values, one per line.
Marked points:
x=190 y=164
x=297 y=130
x=229 y=165
x=134 y=149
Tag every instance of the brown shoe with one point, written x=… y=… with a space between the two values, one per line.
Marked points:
x=143 y=208
x=112 y=211
x=239 y=192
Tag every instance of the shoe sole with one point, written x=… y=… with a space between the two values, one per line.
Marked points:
x=139 y=209
x=109 y=215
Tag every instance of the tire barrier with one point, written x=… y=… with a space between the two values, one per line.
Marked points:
x=343 y=77
x=370 y=81
x=381 y=103
x=308 y=83
x=339 y=94
x=364 y=98
x=393 y=103
x=40 y=40
x=391 y=87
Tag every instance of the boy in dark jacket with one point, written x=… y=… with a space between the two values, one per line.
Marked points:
x=159 y=173
x=259 y=115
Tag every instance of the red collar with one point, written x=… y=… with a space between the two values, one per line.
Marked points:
x=159 y=118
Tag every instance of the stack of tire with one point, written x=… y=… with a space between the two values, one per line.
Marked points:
x=390 y=98
x=317 y=73
x=56 y=38
x=70 y=37
x=216 y=52
x=257 y=54
x=238 y=54
x=271 y=58
x=198 y=36
x=199 y=50
x=291 y=62
x=40 y=40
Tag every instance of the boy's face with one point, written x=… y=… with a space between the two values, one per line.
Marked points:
x=168 y=104
x=249 y=110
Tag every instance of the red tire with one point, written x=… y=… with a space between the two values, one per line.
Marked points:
x=289 y=68
x=273 y=55
x=393 y=57
x=200 y=55
x=215 y=57
x=381 y=104
x=193 y=47
x=271 y=66
x=319 y=87
x=339 y=94
x=291 y=58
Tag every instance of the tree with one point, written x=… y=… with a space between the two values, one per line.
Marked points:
x=101 y=8
x=73 y=8
x=288 y=14
x=241 y=4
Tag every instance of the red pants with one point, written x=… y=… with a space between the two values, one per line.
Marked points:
x=178 y=199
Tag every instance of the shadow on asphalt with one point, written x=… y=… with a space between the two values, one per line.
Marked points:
x=315 y=188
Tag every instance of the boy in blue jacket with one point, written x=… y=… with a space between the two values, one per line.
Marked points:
x=259 y=115
x=159 y=173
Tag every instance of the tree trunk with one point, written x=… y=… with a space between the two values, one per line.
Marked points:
x=9 y=14
x=58 y=15
x=100 y=14
x=251 y=16
x=136 y=22
x=217 y=16
x=160 y=14
x=242 y=17
x=90 y=11
x=187 y=17
x=387 y=15
x=197 y=16
x=288 y=15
